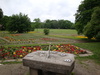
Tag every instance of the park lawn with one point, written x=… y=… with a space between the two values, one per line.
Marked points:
x=38 y=33
x=56 y=33
x=37 y=36
x=93 y=47
x=62 y=32
x=2 y=41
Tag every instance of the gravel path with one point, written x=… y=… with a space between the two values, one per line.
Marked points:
x=87 y=67
x=13 y=69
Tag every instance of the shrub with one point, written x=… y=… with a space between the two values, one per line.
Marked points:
x=46 y=31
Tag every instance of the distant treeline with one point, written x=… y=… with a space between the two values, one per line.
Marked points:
x=53 y=24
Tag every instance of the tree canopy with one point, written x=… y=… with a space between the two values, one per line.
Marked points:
x=57 y=24
x=19 y=23
x=53 y=24
x=4 y=22
x=1 y=13
x=92 y=29
x=84 y=17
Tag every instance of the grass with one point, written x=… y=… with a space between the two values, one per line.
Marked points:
x=37 y=35
x=94 y=47
x=12 y=62
x=2 y=41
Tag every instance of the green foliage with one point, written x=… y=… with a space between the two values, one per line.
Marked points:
x=84 y=13
x=98 y=35
x=1 y=13
x=37 y=22
x=88 y=30
x=4 y=22
x=32 y=26
x=19 y=23
x=92 y=29
x=65 y=24
x=79 y=27
x=57 y=24
x=46 y=31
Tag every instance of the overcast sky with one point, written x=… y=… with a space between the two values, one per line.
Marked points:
x=43 y=9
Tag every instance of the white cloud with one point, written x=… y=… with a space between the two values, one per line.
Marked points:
x=43 y=9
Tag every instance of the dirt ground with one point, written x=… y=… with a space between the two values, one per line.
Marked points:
x=86 y=67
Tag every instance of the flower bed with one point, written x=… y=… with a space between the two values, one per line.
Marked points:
x=12 y=39
x=49 y=39
x=85 y=37
x=19 y=52
x=9 y=39
x=16 y=34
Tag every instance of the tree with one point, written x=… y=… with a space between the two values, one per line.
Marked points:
x=4 y=22
x=1 y=13
x=65 y=24
x=19 y=23
x=37 y=22
x=92 y=29
x=47 y=23
x=54 y=24
x=84 y=13
x=32 y=26
x=57 y=24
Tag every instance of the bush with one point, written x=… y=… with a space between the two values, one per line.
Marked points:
x=46 y=31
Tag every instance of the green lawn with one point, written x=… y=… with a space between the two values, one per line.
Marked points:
x=66 y=34
x=93 y=47
x=59 y=35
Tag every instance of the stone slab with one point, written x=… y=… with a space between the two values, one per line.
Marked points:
x=58 y=62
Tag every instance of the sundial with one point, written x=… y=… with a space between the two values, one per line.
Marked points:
x=52 y=61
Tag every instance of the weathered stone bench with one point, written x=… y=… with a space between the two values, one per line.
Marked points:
x=56 y=64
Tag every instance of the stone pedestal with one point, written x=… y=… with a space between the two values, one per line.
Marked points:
x=57 y=64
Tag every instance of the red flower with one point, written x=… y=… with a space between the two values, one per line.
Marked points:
x=23 y=47
x=29 y=48
x=14 y=55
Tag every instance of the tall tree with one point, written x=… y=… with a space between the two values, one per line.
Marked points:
x=92 y=29
x=4 y=22
x=1 y=13
x=84 y=13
